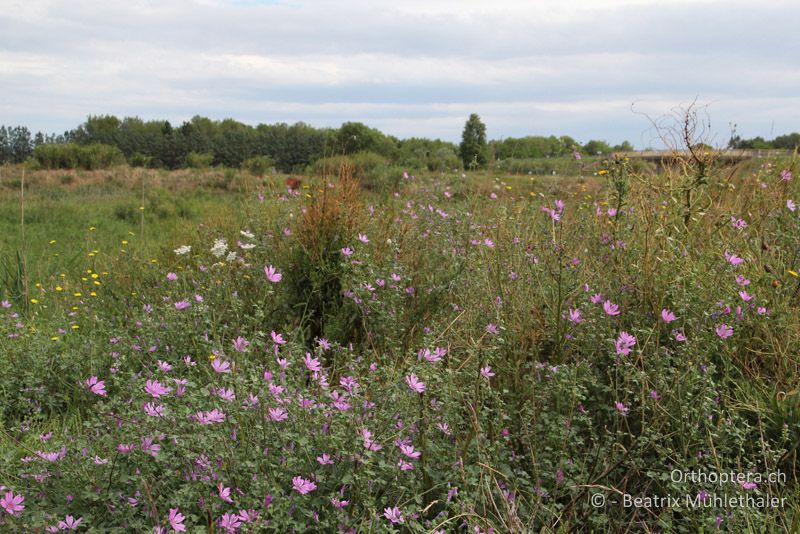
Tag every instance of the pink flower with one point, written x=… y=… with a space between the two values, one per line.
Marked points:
x=791 y=205
x=209 y=418
x=786 y=175
x=748 y=485
x=154 y=388
x=224 y=493
x=363 y=238
x=176 y=519
x=369 y=444
x=610 y=308
x=724 y=331
x=621 y=408
x=745 y=296
x=278 y=414
x=312 y=364
x=347 y=251
x=338 y=504
x=226 y=394
x=625 y=343
x=733 y=259
x=325 y=459
x=229 y=522
x=492 y=329
x=172 y=276
x=393 y=514
x=303 y=486
x=182 y=304
x=679 y=335
x=415 y=384
x=69 y=523
x=221 y=366
x=240 y=344
x=667 y=316
x=277 y=338
x=148 y=447
x=575 y=316
x=409 y=451
x=486 y=372
x=272 y=274
x=154 y=410
x=98 y=387
x=12 y=504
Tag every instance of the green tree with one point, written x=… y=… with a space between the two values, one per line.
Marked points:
x=473 y=148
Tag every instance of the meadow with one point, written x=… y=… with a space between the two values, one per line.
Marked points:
x=209 y=351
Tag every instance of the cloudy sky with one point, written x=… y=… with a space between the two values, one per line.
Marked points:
x=585 y=68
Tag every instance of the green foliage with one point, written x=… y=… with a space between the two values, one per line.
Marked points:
x=73 y=156
x=196 y=160
x=473 y=148
x=259 y=165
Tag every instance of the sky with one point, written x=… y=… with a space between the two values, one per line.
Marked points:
x=591 y=69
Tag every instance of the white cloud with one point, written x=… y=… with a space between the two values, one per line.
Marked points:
x=413 y=68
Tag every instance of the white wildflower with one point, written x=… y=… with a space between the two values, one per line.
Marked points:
x=185 y=249
x=220 y=248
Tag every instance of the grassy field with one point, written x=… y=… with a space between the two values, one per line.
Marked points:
x=483 y=353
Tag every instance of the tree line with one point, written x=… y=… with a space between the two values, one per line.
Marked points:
x=104 y=140
x=788 y=142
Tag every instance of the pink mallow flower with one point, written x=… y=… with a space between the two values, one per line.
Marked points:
x=415 y=384
x=724 y=331
x=155 y=389
x=98 y=387
x=176 y=519
x=12 y=504
x=272 y=274
x=667 y=316
x=610 y=308
x=625 y=343
x=302 y=485
x=393 y=514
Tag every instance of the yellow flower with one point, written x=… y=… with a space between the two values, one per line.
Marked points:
x=76 y=294
x=212 y=357
x=93 y=294
x=97 y=283
x=141 y=208
x=54 y=338
x=92 y=228
x=124 y=241
x=91 y=254
x=793 y=273
x=75 y=327
x=59 y=288
x=52 y=241
x=602 y=172
x=34 y=301
x=84 y=279
x=95 y=275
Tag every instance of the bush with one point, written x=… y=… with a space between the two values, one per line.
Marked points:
x=368 y=168
x=73 y=156
x=259 y=165
x=197 y=160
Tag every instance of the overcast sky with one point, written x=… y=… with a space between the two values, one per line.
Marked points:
x=585 y=68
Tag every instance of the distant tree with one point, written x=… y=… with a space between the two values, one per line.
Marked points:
x=597 y=148
x=473 y=147
x=625 y=146
x=789 y=141
x=354 y=137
